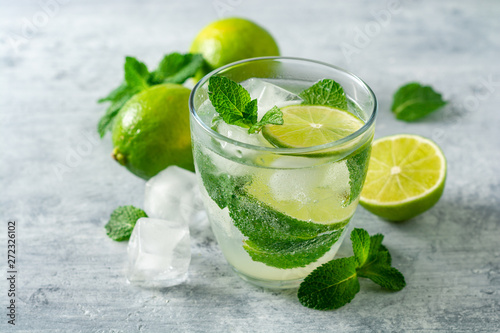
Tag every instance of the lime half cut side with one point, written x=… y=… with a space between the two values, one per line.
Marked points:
x=406 y=177
x=311 y=125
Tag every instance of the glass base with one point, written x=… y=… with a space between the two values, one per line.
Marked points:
x=269 y=284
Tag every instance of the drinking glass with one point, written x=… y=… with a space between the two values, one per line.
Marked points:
x=278 y=213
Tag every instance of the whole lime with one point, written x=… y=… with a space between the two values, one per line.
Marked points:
x=232 y=39
x=151 y=131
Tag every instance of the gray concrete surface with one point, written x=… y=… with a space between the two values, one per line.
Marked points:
x=60 y=184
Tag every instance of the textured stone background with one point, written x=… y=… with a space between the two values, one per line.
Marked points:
x=54 y=68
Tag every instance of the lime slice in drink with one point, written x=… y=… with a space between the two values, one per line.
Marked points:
x=405 y=177
x=311 y=125
x=315 y=196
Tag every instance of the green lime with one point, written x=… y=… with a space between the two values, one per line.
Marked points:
x=311 y=125
x=232 y=39
x=151 y=131
x=405 y=178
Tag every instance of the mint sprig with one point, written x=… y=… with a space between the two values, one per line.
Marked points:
x=330 y=286
x=235 y=106
x=122 y=222
x=414 y=101
x=174 y=68
x=334 y=284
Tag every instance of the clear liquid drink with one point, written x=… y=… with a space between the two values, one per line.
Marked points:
x=278 y=213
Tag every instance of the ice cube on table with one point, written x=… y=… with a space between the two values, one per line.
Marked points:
x=172 y=195
x=269 y=95
x=159 y=253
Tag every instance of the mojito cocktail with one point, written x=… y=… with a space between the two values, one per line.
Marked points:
x=281 y=179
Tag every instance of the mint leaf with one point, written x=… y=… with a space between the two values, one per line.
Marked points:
x=325 y=92
x=360 y=245
x=122 y=222
x=383 y=274
x=136 y=77
x=136 y=74
x=229 y=100
x=250 y=111
x=357 y=164
x=378 y=266
x=272 y=117
x=414 y=101
x=106 y=121
x=376 y=243
x=331 y=285
x=292 y=253
x=387 y=255
x=376 y=247
x=177 y=68
x=219 y=186
x=235 y=107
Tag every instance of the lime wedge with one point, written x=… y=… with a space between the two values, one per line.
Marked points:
x=311 y=125
x=405 y=177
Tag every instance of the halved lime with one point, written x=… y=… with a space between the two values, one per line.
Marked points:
x=405 y=178
x=311 y=125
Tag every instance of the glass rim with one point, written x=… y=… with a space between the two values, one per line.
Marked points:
x=363 y=129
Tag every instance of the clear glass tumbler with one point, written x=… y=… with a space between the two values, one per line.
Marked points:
x=278 y=213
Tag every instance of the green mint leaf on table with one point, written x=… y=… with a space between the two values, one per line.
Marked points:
x=360 y=245
x=414 y=101
x=122 y=222
x=376 y=246
x=235 y=106
x=272 y=117
x=325 y=92
x=177 y=68
x=334 y=284
x=174 y=68
x=384 y=275
x=330 y=286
